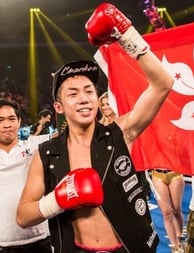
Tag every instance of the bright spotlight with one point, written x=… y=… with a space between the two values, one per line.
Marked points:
x=34 y=9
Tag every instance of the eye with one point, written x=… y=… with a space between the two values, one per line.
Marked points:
x=13 y=118
x=72 y=94
x=89 y=91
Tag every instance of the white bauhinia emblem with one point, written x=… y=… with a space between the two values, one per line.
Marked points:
x=184 y=85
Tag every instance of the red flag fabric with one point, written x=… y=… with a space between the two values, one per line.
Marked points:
x=169 y=140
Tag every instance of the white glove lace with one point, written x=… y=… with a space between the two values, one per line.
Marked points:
x=133 y=43
x=48 y=206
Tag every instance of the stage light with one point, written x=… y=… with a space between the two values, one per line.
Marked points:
x=161 y=9
x=83 y=53
x=149 y=29
x=182 y=14
x=169 y=18
x=34 y=9
x=164 y=13
x=55 y=54
x=32 y=65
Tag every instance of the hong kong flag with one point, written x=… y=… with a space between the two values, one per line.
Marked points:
x=169 y=140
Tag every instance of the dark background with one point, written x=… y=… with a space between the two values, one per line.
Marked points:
x=70 y=16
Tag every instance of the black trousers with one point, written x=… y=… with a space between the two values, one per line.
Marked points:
x=42 y=246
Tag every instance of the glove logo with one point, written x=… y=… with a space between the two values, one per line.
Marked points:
x=70 y=187
x=140 y=206
x=115 y=33
x=122 y=166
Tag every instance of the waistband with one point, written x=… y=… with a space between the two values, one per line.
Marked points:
x=163 y=171
x=84 y=249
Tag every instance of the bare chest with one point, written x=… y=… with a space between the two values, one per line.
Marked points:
x=79 y=156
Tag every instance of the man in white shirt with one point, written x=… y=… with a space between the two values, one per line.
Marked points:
x=15 y=156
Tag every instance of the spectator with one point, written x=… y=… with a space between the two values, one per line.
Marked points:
x=190 y=222
x=108 y=114
x=15 y=156
x=43 y=124
x=169 y=186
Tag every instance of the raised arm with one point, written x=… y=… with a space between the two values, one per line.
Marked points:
x=151 y=100
x=107 y=25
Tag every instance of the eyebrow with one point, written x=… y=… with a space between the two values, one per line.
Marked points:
x=10 y=116
x=85 y=87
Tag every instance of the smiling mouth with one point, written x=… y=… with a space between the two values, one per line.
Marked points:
x=84 y=110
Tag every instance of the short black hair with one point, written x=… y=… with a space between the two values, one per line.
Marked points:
x=11 y=103
x=44 y=113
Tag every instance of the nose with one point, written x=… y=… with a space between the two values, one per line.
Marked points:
x=83 y=99
x=6 y=124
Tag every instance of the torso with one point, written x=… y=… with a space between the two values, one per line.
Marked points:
x=90 y=225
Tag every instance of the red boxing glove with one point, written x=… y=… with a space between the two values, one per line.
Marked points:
x=78 y=188
x=106 y=25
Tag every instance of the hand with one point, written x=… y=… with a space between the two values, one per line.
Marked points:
x=40 y=127
x=106 y=25
x=80 y=187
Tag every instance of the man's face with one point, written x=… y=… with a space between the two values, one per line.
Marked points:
x=46 y=119
x=9 y=125
x=78 y=100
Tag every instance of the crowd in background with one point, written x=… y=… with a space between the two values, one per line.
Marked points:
x=14 y=89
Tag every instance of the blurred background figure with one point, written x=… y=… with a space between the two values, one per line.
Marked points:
x=170 y=188
x=190 y=222
x=108 y=114
x=24 y=132
x=44 y=124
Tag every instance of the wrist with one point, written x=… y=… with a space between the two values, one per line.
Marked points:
x=49 y=207
x=133 y=43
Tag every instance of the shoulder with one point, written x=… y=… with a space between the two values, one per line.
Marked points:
x=54 y=142
x=33 y=128
x=109 y=130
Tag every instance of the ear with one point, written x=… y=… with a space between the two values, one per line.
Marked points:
x=19 y=122
x=58 y=107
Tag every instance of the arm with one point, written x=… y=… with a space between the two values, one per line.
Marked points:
x=28 y=213
x=38 y=129
x=151 y=100
x=107 y=25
